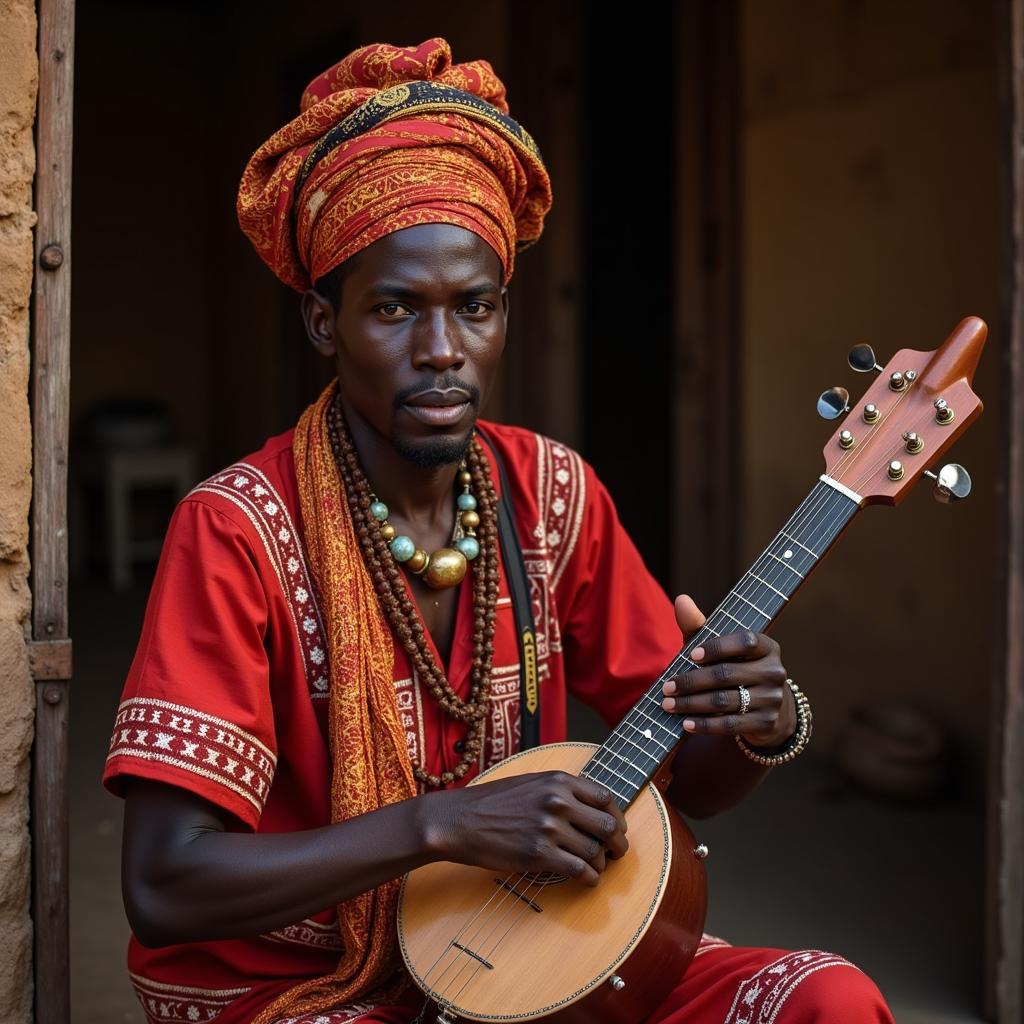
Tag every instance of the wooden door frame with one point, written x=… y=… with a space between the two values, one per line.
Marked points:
x=1004 y=961
x=50 y=648
x=707 y=339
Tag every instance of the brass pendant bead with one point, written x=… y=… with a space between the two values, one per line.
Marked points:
x=447 y=568
x=399 y=609
x=418 y=562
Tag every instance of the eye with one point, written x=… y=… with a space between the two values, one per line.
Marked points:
x=481 y=307
x=390 y=310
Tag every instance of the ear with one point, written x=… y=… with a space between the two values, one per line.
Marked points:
x=318 y=316
x=504 y=300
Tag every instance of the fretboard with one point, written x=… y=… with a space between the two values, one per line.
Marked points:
x=643 y=740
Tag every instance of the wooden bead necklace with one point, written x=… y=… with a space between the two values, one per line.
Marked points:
x=394 y=597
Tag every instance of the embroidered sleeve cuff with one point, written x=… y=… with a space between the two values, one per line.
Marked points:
x=186 y=747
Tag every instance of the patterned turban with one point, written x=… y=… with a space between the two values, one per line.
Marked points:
x=390 y=137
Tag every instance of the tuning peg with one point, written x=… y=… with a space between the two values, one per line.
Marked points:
x=833 y=403
x=862 y=359
x=952 y=482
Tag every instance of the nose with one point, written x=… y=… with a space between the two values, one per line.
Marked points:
x=438 y=344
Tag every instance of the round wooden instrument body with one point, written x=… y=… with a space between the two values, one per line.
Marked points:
x=556 y=953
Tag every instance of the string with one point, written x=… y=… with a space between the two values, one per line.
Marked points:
x=767 y=575
x=819 y=499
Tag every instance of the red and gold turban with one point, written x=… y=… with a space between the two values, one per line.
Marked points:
x=390 y=137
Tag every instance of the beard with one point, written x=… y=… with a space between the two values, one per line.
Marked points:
x=438 y=451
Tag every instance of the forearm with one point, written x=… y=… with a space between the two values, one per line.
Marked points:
x=712 y=774
x=221 y=885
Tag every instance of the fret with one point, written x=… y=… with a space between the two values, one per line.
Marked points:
x=618 y=775
x=650 y=731
x=626 y=799
x=623 y=736
x=785 y=562
x=646 y=732
x=814 y=554
x=733 y=593
x=654 y=700
x=622 y=757
x=742 y=625
x=654 y=721
x=768 y=585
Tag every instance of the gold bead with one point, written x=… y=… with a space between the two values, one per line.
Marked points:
x=447 y=568
x=470 y=520
x=387 y=531
x=418 y=561
x=465 y=477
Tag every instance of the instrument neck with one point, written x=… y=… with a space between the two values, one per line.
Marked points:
x=645 y=738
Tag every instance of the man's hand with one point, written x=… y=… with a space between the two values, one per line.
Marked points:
x=709 y=696
x=545 y=821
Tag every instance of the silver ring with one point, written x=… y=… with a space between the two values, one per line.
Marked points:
x=744 y=699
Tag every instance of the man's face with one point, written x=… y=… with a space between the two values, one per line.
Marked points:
x=418 y=336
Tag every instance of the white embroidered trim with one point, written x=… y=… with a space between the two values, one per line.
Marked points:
x=709 y=942
x=250 y=490
x=308 y=932
x=181 y=1002
x=196 y=742
x=760 y=997
x=342 y=1015
x=561 y=496
x=564 y=512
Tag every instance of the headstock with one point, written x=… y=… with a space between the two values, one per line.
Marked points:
x=919 y=405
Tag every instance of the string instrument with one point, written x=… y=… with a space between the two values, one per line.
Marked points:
x=487 y=947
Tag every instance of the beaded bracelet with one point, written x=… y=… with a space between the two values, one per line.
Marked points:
x=796 y=743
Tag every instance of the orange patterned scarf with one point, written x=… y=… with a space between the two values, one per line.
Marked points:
x=370 y=758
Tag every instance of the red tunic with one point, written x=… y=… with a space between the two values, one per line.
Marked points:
x=227 y=693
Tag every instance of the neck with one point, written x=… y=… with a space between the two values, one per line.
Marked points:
x=646 y=737
x=413 y=493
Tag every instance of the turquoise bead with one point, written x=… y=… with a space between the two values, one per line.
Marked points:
x=468 y=546
x=403 y=548
x=378 y=510
x=466 y=503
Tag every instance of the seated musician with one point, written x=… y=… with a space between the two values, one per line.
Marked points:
x=330 y=651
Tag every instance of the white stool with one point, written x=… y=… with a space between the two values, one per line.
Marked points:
x=124 y=472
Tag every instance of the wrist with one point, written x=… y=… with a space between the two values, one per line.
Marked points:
x=434 y=823
x=789 y=724
x=770 y=744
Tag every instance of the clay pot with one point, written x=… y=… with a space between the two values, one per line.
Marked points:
x=893 y=750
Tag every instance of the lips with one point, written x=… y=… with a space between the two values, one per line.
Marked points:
x=439 y=408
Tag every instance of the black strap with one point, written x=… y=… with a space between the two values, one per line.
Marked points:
x=512 y=556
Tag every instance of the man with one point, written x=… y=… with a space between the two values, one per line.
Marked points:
x=314 y=687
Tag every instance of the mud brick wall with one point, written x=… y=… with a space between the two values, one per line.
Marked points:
x=18 y=81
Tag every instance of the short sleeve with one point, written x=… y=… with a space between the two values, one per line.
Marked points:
x=196 y=710
x=619 y=630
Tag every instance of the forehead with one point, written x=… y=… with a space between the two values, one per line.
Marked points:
x=423 y=255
